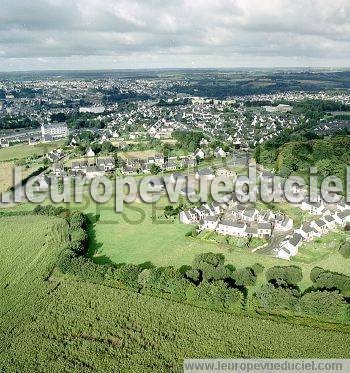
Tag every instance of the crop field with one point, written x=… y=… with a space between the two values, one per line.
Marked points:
x=6 y=174
x=55 y=323
x=29 y=245
x=92 y=328
x=24 y=151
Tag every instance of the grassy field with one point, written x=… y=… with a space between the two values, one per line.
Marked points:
x=142 y=154
x=323 y=248
x=135 y=237
x=24 y=150
x=51 y=322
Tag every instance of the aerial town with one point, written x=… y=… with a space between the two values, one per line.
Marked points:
x=100 y=137
x=174 y=186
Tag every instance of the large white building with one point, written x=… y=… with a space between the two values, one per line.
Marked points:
x=92 y=109
x=54 y=131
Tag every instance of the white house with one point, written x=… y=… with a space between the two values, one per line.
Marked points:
x=199 y=154
x=108 y=164
x=264 y=229
x=94 y=172
x=209 y=223
x=330 y=221
x=188 y=191
x=320 y=226
x=249 y=214
x=177 y=178
x=308 y=232
x=230 y=228
x=205 y=173
x=290 y=246
x=342 y=217
x=90 y=153
x=219 y=153
x=79 y=166
x=285 y=224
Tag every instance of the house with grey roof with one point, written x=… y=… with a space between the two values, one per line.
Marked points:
x=205 y=173
x=209 y=223
x=290 y=246
x=264 y=229
x=342 y=217
x=230 y=228
x=188 y=191
x=320 y=225
x=95 y=172
x=308 y=232
x=108 y=164
x=79 y=166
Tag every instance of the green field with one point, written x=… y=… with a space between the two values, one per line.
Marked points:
x=51 y=322
x=21 y=151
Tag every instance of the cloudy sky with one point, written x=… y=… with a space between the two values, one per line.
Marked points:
x=104 y=34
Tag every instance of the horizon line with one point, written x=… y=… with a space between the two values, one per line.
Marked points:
x=342 y=68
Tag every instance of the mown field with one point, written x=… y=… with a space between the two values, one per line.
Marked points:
x=24 y=150
x=51 y=322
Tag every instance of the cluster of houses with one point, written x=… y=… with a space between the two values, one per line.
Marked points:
x=236 y=220
x=240 y=220
x=135 y=165
x=55 y=155
x=330 y=216
x=90 y=169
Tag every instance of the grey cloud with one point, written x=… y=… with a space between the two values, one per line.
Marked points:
x=235 y=29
